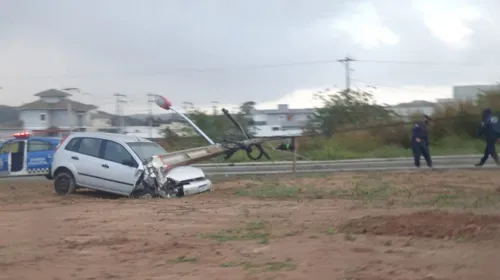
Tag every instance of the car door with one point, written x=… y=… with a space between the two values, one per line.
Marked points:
x=39 y=156
x=118 y=168
x=84 y=156
x=6 y=151
x=4 y=162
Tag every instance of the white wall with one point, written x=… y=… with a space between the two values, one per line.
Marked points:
x=59 y=118
x=31 y=119
x=100 y=123
x=259 y=118
x=405 y=112
x=143 y=131
x=268 y=131
x=470 y=92
x=281 y=119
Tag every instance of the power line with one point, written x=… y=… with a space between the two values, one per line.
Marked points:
x=179 y=71
x=425 y=62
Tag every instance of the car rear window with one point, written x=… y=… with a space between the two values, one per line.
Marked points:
x=145 y=150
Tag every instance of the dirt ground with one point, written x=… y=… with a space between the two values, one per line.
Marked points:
x=366 y=226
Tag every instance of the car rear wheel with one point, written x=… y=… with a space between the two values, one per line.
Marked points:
x=64 y=184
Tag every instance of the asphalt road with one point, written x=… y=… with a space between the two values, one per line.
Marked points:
x=375 y=164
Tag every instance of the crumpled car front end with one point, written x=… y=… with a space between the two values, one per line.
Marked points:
x=191 y=179
x=159 y=180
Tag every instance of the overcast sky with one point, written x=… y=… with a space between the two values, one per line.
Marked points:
x=232 y=51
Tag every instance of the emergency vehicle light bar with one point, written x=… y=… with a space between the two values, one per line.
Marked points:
x=22 y=134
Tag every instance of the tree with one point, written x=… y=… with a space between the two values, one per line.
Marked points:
x=245 y=117
x=247 y=107
x=347 y=109
x=212 y=125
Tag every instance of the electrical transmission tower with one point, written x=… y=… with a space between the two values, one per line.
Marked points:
x=151 y=100
x=346 y=61
x=119 y=110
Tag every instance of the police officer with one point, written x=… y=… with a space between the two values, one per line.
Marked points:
x=488 y=129
x=420 y=141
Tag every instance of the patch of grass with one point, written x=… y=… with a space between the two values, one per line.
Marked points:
x=380 y=191
x=259 y=231
x=349 y=237
x=269 y=191
x=457 y=198
x=342 y=146
x=331 y=231
x=228 y=264
x=278 y=266
x=292 y=233
x=264 y=267
x=183 y=259
x=365 y=191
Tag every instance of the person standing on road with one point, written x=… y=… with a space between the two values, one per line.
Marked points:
x=420 y=141
x=489 y=129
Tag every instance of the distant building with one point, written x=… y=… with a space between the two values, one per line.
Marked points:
x=471 y=92
x=406 y=110
x=143 y=131
x=269 y=130
x=55 y=114
x=7 y=129
x=447 y=102
x=283 y=117
x=100 y=121
x=179 y=128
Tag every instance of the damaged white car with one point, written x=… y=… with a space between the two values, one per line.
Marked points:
x=136 y=167
x=121 y=164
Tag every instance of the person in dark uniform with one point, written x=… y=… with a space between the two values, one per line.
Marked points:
x=420 y=142
x=488 y=130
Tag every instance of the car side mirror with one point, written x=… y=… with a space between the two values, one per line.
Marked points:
x=129 y=162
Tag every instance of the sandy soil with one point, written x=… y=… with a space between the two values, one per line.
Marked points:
x=366 y=226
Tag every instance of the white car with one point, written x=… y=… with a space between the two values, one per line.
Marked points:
x=121 y=164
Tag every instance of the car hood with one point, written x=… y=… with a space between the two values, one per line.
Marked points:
x=182 y=173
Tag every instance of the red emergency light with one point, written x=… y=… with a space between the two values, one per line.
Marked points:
x=22 y=135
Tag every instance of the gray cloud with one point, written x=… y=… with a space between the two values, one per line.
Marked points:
x=136 y=46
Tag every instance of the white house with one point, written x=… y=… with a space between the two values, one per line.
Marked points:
x=270 y=130
x=55 y=114
x=99 y=121
x=406 y=110
x=180 y=128
x=283 y=117
x=471 y=92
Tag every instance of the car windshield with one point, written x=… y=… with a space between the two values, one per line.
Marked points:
x=145 y=150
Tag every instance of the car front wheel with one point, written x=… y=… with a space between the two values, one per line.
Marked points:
x=64 y=184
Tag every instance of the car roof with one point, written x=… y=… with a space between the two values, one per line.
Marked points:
x=52 y=139
x=110 y=136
